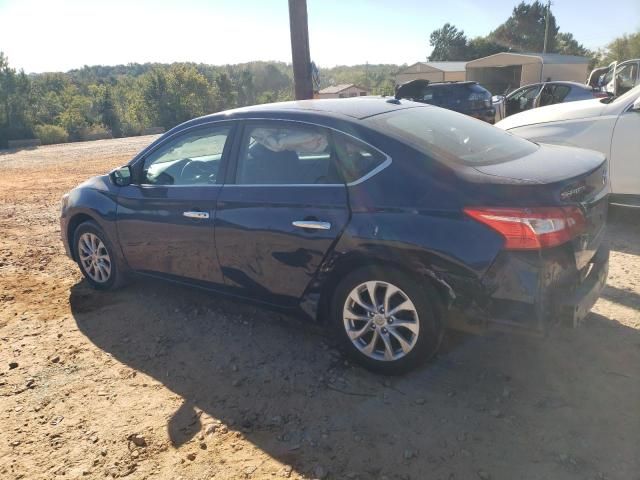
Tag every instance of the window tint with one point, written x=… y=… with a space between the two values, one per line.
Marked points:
x=528 y=93
x=522 y=100
x=552 y=94
x=559 y=93
x=275 y=153
x=626 y=77
x=450 y=137
x=191 y=159
x=427 y=95
x=439 y=95
x=356 y=159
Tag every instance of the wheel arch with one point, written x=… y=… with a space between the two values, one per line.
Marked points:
x=74 y=222
x=342 y=266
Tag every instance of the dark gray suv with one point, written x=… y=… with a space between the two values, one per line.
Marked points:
x=469 y=98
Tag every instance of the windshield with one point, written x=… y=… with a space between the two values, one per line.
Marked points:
x=452 y=137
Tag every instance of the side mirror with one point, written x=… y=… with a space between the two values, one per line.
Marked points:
x=636 y=105
x=121 y=176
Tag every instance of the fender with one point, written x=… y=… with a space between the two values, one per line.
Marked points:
x=94 y=199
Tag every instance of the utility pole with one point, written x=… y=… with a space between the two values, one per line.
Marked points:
x=546 y=27
x=301 y=57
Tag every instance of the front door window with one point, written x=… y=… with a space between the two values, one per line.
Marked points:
x=192 y=159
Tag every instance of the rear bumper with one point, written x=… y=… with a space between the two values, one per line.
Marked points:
x=532 y=291
x=573 y=308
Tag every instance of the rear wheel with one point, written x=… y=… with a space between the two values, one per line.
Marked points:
x=386 y=321
x=96 y=257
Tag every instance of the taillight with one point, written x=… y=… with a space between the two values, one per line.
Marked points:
x=532 y=228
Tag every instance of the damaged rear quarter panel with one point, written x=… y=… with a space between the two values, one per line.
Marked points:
x=408 y=217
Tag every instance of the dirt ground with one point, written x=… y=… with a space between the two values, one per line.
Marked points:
x=160 y=381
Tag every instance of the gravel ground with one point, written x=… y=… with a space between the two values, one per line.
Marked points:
x=160 y=381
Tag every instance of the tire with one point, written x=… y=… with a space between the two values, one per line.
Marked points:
x=419 y=322
x=104 y=271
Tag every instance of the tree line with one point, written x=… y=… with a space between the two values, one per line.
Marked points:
x=124 y=100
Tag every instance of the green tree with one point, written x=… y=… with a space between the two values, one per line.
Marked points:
x=524 y=30
x=245 y=88
x=566 y=44
x=225 y=90
x=75 y=118
x=482 y=47
x=622 y=48
x=177 y=94
x=448 y=44
x=108 y=113
x=15 y=101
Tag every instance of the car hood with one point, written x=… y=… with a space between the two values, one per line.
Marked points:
x=555 y=113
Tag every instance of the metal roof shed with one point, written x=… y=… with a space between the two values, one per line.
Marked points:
x=503 y=72
x=432 y=71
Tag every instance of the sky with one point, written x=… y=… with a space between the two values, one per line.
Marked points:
x=59 y=35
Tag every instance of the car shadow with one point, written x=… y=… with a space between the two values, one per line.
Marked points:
x=279 y=382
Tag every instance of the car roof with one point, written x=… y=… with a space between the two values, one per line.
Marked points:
x=570 y=84
x=357 y=108
x=557 y=82
x=466 y=82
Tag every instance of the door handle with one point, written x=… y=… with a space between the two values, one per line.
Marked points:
x=311 y=224
x=196 y=215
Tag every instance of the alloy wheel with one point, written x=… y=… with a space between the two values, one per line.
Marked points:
x=381 y=320
x=94 y=257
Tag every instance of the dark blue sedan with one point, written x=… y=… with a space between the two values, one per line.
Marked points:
x=387 y=220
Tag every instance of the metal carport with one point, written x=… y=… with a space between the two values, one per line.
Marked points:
x=503 y=72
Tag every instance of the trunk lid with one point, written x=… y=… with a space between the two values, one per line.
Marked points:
x=556 y=176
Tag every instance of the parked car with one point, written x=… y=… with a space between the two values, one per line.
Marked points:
x=469 y=98
x=542 y=94
x=618 y=78
x=610 y=126
x=384 y=219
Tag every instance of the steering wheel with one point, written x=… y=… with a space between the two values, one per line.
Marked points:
x=198 y=172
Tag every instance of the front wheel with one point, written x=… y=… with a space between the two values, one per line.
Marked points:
x=387 y=321
x=96 y=257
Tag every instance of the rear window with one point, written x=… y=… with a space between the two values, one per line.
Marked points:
x=452 y=137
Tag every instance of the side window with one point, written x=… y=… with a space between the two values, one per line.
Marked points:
x=560 y=92
x=190 y=159
x=626 y=78
x=523 y=100
x=355 y=158
x=530 y=92
x=427 y=95
x=277 y=153
x=546 y=96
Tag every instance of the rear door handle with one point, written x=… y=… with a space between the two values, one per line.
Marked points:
x=196 y=215
x=311 y=224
